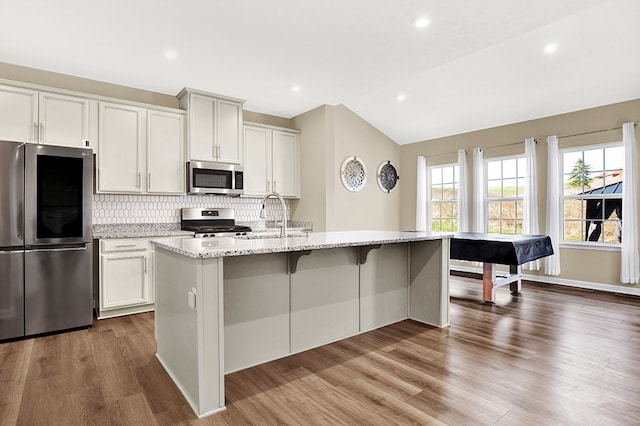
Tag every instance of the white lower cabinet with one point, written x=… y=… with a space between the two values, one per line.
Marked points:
x=125 y=277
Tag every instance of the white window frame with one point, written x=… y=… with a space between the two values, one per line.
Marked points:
x=487 y=200
x=585 y=245
x=431 y=201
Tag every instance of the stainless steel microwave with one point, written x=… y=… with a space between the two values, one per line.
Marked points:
x=205 y=177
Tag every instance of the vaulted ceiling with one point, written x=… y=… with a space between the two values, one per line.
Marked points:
x=476 y=64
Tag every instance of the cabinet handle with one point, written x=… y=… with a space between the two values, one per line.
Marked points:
x=149 y=181
x=145 y=265
x=275 y=188
x=36 y=134
x=42 y=137
x=139 y=178
x=125 y=245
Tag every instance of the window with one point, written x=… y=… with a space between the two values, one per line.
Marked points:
x=505 y=195
x=443 y=198
x=592 y=193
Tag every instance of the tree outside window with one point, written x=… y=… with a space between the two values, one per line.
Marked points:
x=592 y=193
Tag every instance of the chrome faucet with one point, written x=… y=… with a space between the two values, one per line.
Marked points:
x=283 y=215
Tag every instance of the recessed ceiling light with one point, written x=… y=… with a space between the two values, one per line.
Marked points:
x=171 y=54
x=550 y=48
x=422 y=23
x=295 y=88
x=401 y=97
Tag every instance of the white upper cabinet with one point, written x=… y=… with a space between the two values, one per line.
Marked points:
x=18 y=114
x=42 y=117
x=214 y=130
x=64 y=120
x=257 y=161
x=121 y=149
x=165 y=153
x=271 y=161
x=286 y=163
x=140 y=151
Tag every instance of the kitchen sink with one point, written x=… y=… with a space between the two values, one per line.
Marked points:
x=272 y=234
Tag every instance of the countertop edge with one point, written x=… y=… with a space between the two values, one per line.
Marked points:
x=229 y=247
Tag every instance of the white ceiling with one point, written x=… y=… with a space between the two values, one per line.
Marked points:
x=479 y=64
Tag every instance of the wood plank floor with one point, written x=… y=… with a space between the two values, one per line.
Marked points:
x=551 y=355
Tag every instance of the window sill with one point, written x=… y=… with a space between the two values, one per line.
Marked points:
x=591 y=246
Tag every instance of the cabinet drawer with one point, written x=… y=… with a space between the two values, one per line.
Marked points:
x=124 y=244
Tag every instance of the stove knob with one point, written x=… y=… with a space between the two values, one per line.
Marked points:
x=238 y=233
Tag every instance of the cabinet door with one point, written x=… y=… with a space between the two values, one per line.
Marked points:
x=18 y=114
x=64 y=120
x=202 y=128
x=120 y=148
x=165 y=153
x=124 y=280
x=229 y=134
x=257 y=161
x=286 y=164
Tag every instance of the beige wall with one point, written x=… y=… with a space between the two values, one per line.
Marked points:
x=98 y=88
x=271 y=120
x=594 y=266
x=313 y=152
x=93 y=87
x=329 y=135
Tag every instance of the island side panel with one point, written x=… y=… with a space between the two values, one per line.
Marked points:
x=429 y=282
x=384 y=286
x=189 y=339
x=256 y=310
x=324 y=298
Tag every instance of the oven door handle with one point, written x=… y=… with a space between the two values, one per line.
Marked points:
x=70 y=247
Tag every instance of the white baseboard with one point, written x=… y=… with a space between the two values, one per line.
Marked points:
x=632 y=291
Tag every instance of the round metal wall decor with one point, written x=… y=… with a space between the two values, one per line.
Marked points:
x=353 y=174
x=387 y=176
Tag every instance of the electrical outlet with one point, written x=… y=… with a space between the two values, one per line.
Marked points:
x=191 y=299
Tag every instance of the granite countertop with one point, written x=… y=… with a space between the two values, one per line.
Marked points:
x=229 y=246
x=138 y=230
x=146 y=230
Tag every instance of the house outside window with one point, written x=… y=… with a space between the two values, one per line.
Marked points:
x=443 y=197
x=592 y=183
x=505 y=194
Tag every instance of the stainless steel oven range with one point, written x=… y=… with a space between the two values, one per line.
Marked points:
x=211 y=222
x=45 y=239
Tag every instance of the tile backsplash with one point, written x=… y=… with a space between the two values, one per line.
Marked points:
x=112 y=209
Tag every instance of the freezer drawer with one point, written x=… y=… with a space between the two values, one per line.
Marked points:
x=58 y=289
x=11 y=294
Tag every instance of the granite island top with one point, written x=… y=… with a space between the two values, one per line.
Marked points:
x=230 y=246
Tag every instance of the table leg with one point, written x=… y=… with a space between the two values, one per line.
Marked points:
x=515 y=286
x=488 y=278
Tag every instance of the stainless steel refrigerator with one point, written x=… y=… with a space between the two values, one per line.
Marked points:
x=45 y=239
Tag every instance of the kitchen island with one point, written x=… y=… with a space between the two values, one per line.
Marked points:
x=224 y=304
